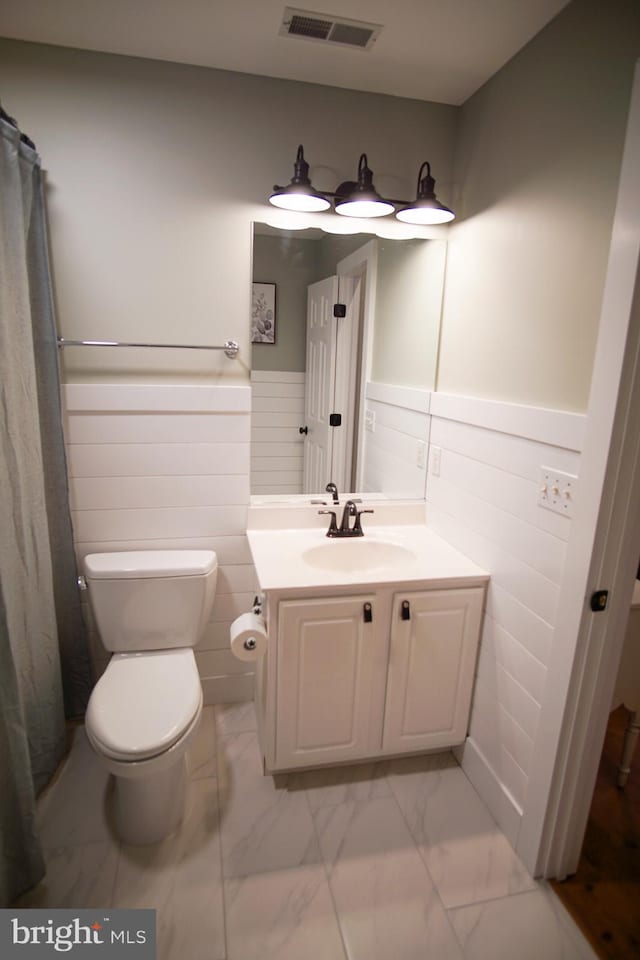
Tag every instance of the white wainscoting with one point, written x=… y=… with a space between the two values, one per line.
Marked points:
x=484 y=502
x=154 y=467
x=390 y=450
x=277 y=447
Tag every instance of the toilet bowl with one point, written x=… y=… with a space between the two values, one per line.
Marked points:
x=150 y=608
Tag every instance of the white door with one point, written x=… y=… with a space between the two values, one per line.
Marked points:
x=326 y=672
x=320 y=383
x=431 y=666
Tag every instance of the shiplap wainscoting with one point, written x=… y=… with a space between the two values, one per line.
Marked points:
x=167 y=467
x=277 y=447
x=484 y=502
x=390 y=449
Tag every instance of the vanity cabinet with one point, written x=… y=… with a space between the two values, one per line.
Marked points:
x=368 y=674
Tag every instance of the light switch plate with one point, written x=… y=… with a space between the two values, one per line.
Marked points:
x=435 y=456
x=557 y=490
x=421 y=456
x=370 y=420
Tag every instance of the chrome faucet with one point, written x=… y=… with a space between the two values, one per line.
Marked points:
x=345 y=529
x=333 y=490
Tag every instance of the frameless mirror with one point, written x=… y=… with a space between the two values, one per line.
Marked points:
x=345 y=334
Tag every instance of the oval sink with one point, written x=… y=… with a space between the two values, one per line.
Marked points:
x=348 y=556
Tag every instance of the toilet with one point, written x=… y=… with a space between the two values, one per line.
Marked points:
x=150 y=607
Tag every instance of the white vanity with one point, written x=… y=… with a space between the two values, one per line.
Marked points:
x=372 y=641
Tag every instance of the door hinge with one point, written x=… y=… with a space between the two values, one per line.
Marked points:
x=367 y=611
x=340 y=310
x=335 y=419
x=405 y=610
x=599 y=600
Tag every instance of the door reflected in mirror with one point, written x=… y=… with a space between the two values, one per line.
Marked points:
x=343 y=393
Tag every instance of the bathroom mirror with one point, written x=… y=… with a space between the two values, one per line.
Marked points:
x=342 y=394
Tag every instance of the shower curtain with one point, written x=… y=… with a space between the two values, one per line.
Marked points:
x=44 y=664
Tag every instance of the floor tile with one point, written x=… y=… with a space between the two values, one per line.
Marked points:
x=79 y=877
x=181 y=878
x=328 y=786
x=234 y=718
x=201 y=755
x=523 y=926
x=468 y=857
x=74 y=810
x=284 y=915
x=387 y=905
x=264 y=826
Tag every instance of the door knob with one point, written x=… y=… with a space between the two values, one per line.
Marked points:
x=303 y=429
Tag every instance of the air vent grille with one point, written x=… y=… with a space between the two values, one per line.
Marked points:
x=326 y=28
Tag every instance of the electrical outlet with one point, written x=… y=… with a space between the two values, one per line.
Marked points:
x=370 y=420
x=421 y=458
x=435 y=457
x=557 y=490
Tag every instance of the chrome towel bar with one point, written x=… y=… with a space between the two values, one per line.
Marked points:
x=230 y=347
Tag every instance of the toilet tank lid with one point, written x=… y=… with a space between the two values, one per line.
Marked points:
x=144 y=564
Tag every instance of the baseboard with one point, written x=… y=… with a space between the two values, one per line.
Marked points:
x=501 y=804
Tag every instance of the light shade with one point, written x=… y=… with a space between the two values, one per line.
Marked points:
x=426 y=208
x=300 y=194
x=361 y=199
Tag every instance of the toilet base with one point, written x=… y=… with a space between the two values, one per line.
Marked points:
x=148 y=809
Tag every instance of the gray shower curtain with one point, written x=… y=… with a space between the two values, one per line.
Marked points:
x=44 y=665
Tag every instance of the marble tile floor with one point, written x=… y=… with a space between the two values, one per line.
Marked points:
x=393 y=859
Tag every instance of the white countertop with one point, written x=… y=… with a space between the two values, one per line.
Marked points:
x=279 y=557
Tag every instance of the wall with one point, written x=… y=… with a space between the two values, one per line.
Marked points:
x=537 y=163
x=484 y=502
x=537 y=167
x=155 y=172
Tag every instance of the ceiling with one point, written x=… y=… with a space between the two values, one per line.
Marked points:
x=440 y=50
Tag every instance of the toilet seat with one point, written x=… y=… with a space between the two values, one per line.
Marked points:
x=144 y=703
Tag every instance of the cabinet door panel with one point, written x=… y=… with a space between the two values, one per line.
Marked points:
x=431 y=669
x=326 y=665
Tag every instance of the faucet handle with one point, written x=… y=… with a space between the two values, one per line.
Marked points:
x=333 y=527
x=358 y=524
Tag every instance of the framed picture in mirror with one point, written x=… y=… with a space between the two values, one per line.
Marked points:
x=263 y=313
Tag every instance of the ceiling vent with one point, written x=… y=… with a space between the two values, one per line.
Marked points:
x=325 y=28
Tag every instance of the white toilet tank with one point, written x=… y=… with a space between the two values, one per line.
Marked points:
x=151 y=599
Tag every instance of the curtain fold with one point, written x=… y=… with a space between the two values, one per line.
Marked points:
x=36 y=551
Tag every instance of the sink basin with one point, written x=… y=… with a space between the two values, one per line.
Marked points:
x=349 y=556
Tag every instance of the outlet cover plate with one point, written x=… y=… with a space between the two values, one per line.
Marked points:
x=557 y=490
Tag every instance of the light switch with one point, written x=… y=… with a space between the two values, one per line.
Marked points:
x=557 y=490
x=435 y=457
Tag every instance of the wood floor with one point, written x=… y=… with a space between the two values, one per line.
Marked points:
x=604 y=895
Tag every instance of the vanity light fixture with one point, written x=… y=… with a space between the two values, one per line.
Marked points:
x=361 y=200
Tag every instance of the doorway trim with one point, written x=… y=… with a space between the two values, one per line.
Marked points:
x=605 y=537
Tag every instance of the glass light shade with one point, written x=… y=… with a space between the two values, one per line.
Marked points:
x=342 y=226
x=300 y=200
x=425 y=213
x=392 y=230
x=364 y=208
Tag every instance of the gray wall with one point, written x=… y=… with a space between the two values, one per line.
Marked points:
x=156 y=171
x=537 y=163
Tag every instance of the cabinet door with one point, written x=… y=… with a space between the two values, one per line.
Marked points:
x=326 y=669
x=431 y=669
